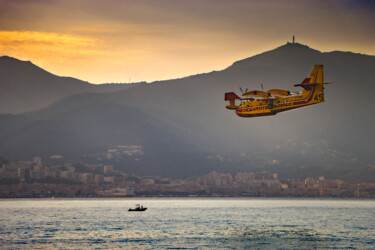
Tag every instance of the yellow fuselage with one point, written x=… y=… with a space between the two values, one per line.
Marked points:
x=274 y=105
x=262 y=103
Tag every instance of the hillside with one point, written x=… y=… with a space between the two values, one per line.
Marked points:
x=197 y=101
x=184 y=128
x=26 y=87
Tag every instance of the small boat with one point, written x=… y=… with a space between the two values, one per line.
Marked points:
x=138 y=208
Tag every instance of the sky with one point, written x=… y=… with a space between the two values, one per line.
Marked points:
x=105 y=41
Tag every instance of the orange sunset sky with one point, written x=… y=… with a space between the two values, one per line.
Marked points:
x=128 y=41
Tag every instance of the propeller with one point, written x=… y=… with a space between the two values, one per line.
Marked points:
x=243 y=92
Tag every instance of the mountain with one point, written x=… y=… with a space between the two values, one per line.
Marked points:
x=26 y=87
x=184 y=129
x=198 y=100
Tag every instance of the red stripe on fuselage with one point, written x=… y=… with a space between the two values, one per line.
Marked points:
x=307 y=100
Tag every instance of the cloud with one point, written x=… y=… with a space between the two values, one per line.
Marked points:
x=114 y=40
x=59 y=53
x=31 y=42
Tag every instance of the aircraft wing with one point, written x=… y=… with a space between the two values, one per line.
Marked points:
x=257 y=93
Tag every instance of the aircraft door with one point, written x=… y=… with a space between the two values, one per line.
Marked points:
x=270 y=104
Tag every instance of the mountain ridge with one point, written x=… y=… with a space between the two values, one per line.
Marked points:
x=189 y=118
x=25 y=86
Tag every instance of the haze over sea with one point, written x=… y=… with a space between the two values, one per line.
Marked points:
x=191 y=223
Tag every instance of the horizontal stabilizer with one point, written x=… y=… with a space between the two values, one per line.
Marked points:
x=306 y=86
x=307 y=80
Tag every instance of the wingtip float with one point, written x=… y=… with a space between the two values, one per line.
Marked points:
x=256 y=103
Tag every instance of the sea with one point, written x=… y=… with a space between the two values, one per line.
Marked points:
x=187 y=223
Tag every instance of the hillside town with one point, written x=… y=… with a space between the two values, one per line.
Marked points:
x=31 y=179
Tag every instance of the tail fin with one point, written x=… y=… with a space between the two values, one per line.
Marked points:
x=315 y=83
x=316 y=75
x=316 y=78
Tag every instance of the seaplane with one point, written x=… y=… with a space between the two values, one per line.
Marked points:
x=256 y=103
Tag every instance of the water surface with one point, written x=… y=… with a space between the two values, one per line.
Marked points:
x=191 y=223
